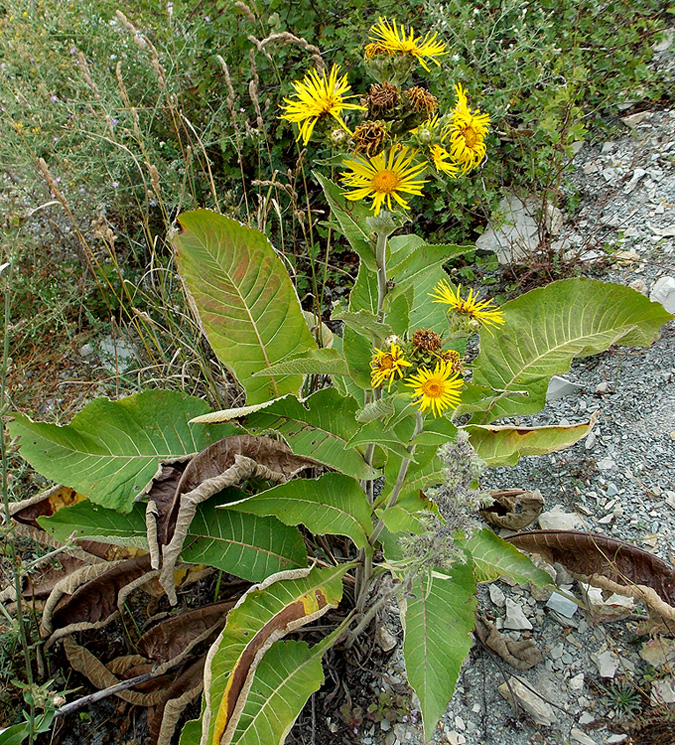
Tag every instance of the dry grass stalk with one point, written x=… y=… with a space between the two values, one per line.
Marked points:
x=286 y=39
x=245 y=10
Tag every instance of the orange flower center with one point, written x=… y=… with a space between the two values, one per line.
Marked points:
x=432 y=388
x=386 y=363
x=385 y=182
x=471 y=137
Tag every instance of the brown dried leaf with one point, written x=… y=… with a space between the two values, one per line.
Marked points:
x=164 y=717
x=90 y=597
x=39 y=586
x=522 y=654
x=176 y=636
x=607 y=563
x=228 y=462
x=86 y=663
x=515 y=509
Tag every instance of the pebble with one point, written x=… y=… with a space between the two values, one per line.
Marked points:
x=455 y=738
x=581 y=737
x=86 y=350
x=540 y=711
x=559 y=387
x=577 y=682
x=591 y=439
x=607 y=663
x=496 y=595
x=606 y=464
x=616 y=739
x=515 y=617
x=663 y=292
x=558 y=519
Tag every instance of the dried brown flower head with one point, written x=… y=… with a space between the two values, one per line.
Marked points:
x=453 y=360
x=369 y=137
x=422 y=101
x=427 y=340
x=381 y=100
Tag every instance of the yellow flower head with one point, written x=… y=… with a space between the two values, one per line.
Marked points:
x=385 y=365
x=438 y=390
x=383 y=177
x=442 y=160
x=318 y=96
x=388 y=38
x=483 y=311
x=466 y=133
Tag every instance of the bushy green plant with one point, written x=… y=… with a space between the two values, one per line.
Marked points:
x=396 y=442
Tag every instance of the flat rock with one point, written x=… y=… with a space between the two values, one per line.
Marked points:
x=663 y=691
x=663 y=292
x=496 y=595
x=515 y=617
x=580 y=736
x=562 y=605
x=558 y=519
x=659 y=652
x=518 y=695
x=559 y=387
x=607 y=663
x=116 y=354
x=577 y=682
x=516 y=234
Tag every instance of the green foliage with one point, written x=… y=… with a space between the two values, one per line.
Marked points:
x=111 y=449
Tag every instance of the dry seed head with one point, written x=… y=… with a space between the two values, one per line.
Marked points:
x=422 y=101
x=453 y=360
x=382 y=99
x=370 y=137
x=427 y=340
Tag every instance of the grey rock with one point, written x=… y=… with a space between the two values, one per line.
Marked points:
x=581 y=737
x=385 y=639
x=516 y=234
x=640 y=285
x=663 y=691
x=558 y=519
x=638 y=174
x=116 y=354
x=519 y=695
x=577 y=682
x=606 y=464
x=562 y=605
x=615 y=739
x=86 y=350
x=515 y=617
x=559 y=387
x=607 y=663
x=591 y=439
x=496 y=595
x=663 y=292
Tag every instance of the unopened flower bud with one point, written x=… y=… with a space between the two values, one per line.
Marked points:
x=425 y=136
x=338 y=137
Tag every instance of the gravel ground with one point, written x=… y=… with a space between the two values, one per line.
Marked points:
x=619 y=482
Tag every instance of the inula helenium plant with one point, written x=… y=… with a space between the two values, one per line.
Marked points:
x=371 y=438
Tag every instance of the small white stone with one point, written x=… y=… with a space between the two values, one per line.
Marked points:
x=638 y=173
x=581 y=737
x=586 y=718
x=559 y=387
x=455 y=738
x=616 y=739
x=591 y=439
x=459 y=724
x=540 y=711
x=515 y=617
x=496 y=595
x=607 y=663
x=602 y=388
x=663 y=292
x=558 y=519
x=606 y=464
x=577 y=682
x=663 y=691
x=640 y=285
x=385 y=639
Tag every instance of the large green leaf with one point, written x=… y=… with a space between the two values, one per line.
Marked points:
x=333 y=504
x=319 y=428
x=247 y=546
x=493 y=557
x=503 y=445
x=325 y=361
x=438 y=618
x=112 y=449
x=245 y=298
x=548 y=327
x=286 y=676
x=266 y=613
x=86 y=521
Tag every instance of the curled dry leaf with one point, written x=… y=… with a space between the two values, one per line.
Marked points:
x=514 y=509
x=228 y=462
x=520 y=654
x=607 y=563
x=90 y=597
x=164 y=716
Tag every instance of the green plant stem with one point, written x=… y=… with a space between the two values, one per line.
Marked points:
x=400 y=479
x=381 y=261
x=25 y=646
